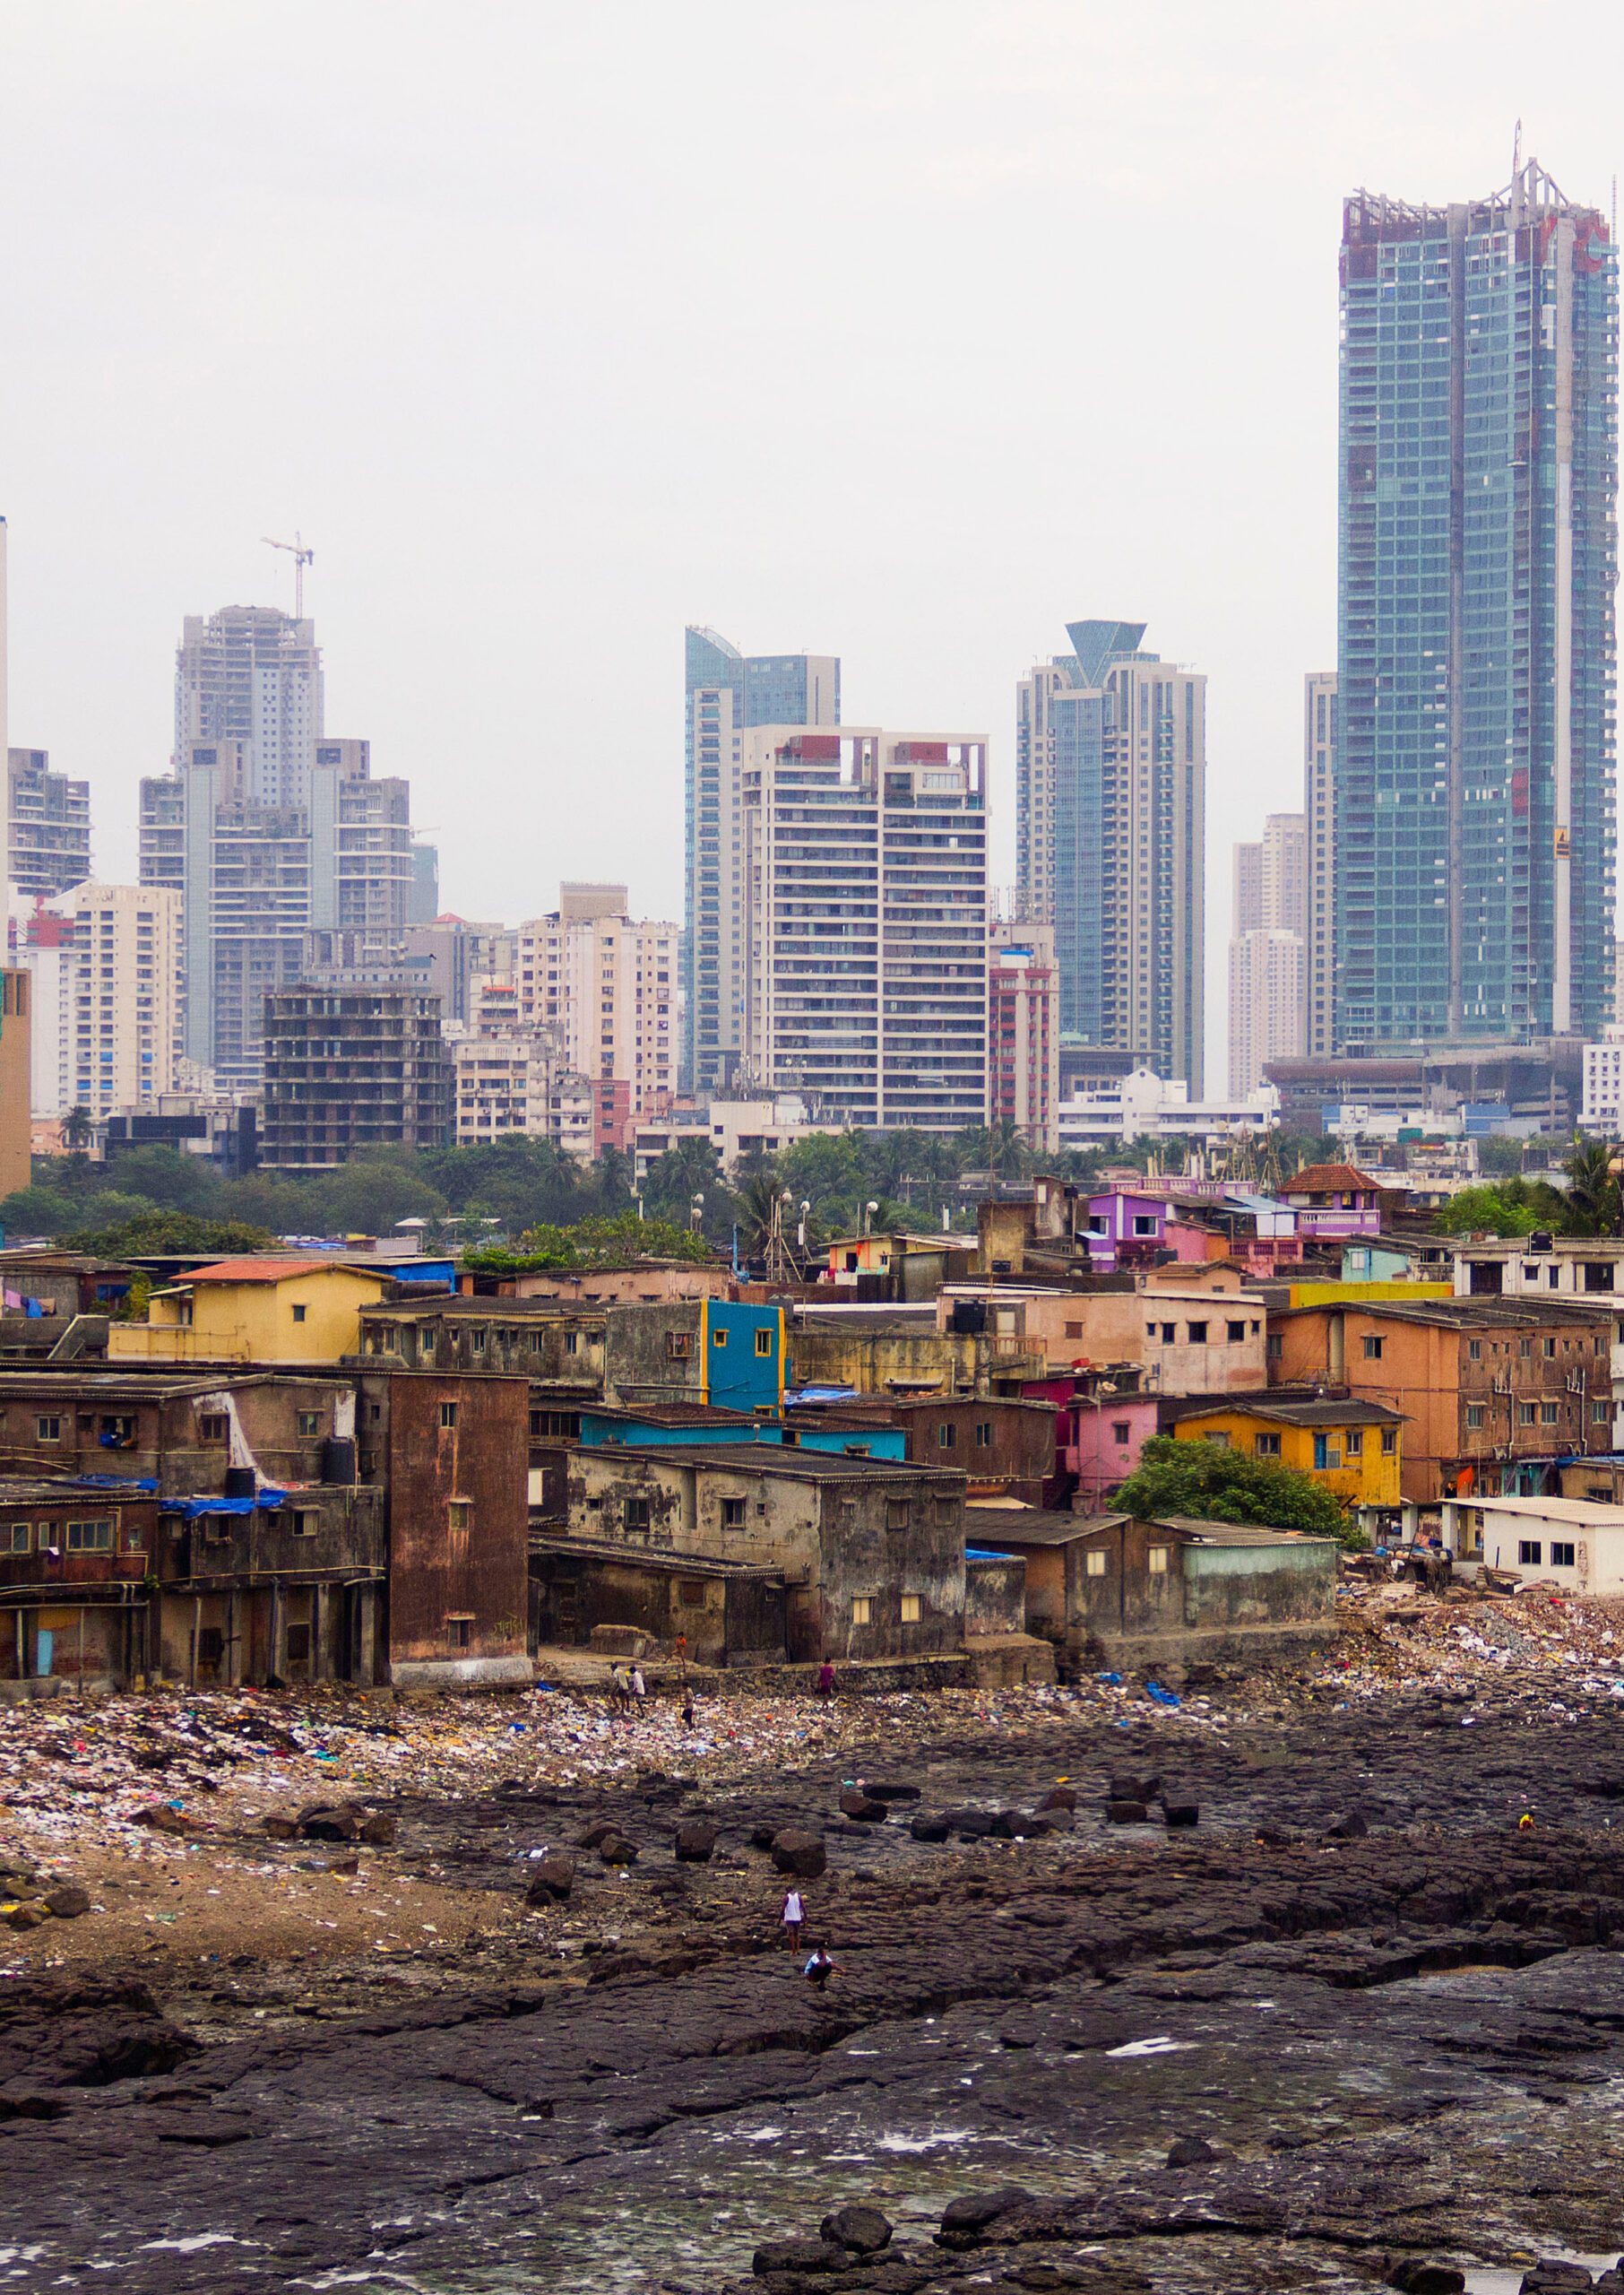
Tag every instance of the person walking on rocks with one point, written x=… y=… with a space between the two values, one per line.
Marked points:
x=793 y=1913
x=639 y=1691
x=825 y=1681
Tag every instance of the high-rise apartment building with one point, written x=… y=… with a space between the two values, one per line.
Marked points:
x=864 y=921
x=606 y=983
x=1110 y=787
x=1474 y=744
x=348 y=1067
x=267 y=828
x=1318 y=788
x=16 y=1001
x=726 y=693
x=47 y=821
x=118 y=1007
x=1023 y=1032
x=1268 y=940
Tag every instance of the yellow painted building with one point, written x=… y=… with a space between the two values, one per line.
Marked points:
x=264 y=1309
x=1354 y=1449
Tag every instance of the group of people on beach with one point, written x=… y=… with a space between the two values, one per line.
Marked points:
x=819 y=1966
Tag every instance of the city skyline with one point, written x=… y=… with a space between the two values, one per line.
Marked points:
x=483 y=593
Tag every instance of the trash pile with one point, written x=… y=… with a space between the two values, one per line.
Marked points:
x=1531 y=1644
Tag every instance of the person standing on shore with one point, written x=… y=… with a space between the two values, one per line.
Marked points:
x=794 y=1912
x=825 y=1681
x=638 y=1689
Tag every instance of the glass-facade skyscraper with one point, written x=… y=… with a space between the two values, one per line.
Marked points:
x=726 y=692
x=1111 y=833
x=1473 y=770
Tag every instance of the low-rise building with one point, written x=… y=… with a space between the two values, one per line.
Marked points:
x=900 y=1350
x=1335 y=1200
x=74 y=1557
x=180 y=1433
x=1493 y=1392
x=270 y=1585
x=533 y=1339
x=1351 y=1448
x=1574 y=1543
x=872 y=1552
x=264 y=1308
x=695 y=1350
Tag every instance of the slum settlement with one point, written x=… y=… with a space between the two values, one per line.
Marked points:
x=356 y=1466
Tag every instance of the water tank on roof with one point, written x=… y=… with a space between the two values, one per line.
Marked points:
x=1541 y=1240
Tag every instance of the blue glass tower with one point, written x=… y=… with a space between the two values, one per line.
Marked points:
x=725 y=691
x=1474 y=766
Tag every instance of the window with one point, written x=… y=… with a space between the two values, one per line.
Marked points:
x=1547 y=1414
x=1197 y=1334
x=572 y=1342
x=763 y=1342
x=1529 y=1550
x=16 y=1537
x=678 y=1346
x=47 y=1430
x=1097 y=1561
x=862 y=1609
x=460 y=1513
x=634 y=1513
x=1327 y=1453
x=1155 y=1560
x=1550 y=1343
x=309 y=1423
x=1218 y=1437
x=1600 y=1413
x=1525 y=1348
x=299 y=1314
x=1274 y=1346
x=1170 y=1332
x=733 y=1513
x=1475 y=1350
x=1234 y=1331
x=1353 y=1442
x=91 y=1538
x=303 y=1522
x=983 y=1434
x=213 y=1426
x=1373 y=1348
x=1562 y=1554
x=910 y=1609
x=947 y=1436
x=1144 y=1223
x=719 y=1338
x=1121 y=1431
x=448 y=1414
x=1525 y=1413
x=898 y=1514
x=476 y=1339
x=1074 y=1330
x=1266 y=1446
x=299 y=1640
x=459 y=1631
x=1475 y=1417
x=690 y=1593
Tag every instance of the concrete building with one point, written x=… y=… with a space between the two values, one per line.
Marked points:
x=1146 y=1105
x=47 y=821
x=119 y=1006
x=1574 y=1544
x=268 y=828
x=1267 y=943
x=1477 y=470
x=1023 y=1032
x=348 y=1068
x=1319 y=815
x=267 y=1307
x=864 y=902
x=1111 y=767
x=1351 y=1448
x=1602 y=1110
x=726 y=693
x=504 y=1070
x=42 y=947
x=15 y=1067
x=604 y=984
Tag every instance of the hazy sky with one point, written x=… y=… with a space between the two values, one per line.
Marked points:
x=902 y=329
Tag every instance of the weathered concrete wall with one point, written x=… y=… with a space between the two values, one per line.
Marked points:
x=1228 y=1586
x=724 y=1619
x=995 y=1594
x=458 y=1450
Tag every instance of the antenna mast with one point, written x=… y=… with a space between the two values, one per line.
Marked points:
x=301 y=556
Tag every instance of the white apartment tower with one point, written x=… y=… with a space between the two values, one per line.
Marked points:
x=606 y=983
x=119 y=1006
x=1267 y=943
x=864 y=923
x=254 y=675
x=1319 y=768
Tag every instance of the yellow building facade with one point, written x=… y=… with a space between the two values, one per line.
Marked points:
x=257 y=1310
x=1353 y=1450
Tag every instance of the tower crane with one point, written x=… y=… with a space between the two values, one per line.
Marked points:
x=302 y=556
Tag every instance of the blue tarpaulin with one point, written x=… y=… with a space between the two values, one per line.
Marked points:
x=130 y=1481
x=189 y=1508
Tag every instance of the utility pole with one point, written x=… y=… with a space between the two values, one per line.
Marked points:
x=302 y=556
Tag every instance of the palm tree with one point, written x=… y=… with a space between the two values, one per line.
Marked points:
x=1593 y=1191
x=1008 y=1157
x=685 y=1171
x=77 y=1131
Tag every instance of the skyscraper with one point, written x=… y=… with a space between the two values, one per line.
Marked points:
x=864 y=924
x=1475 y=745
x=1319 y=753
x=118 y=1014
x=47 y=825
x=1266 y=950
x=268 y=828
x=728 y=691
x=1111 y=784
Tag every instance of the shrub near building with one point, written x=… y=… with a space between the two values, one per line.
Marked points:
x=1213 y=1484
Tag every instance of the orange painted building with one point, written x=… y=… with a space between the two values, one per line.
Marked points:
x=1488 y=1387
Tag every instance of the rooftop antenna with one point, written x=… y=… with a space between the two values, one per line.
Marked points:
x=301 y=556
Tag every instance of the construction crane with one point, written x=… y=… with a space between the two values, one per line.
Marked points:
x=301 y=556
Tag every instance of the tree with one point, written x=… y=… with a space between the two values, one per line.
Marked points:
x=1216 y=1484
x=77 y=1131
x=685 y=1171
x=1008 y=1157
x=1593 y=1191
x=1513 y=1207
x=163 y=1232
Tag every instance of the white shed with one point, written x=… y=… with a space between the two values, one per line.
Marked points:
x=1576 y=1543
